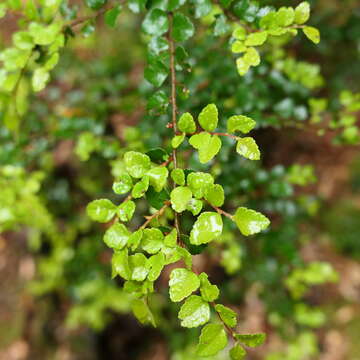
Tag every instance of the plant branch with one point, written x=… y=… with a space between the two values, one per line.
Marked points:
x=222 y=212
x=153 y=216
x=173 y=100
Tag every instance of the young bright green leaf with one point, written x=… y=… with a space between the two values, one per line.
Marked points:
x=256 y=38
x=171 y=238
x=250 y=221
x=215 y=195
x=152 y=240
x=207 y=227
x=117 y=236
x=285 y=16
x=140 y=187
x=242 y=66
x=137 y=164
x=177 y=140
x=155 y=263
x=182 y=283
x=158 y=177
x=39 y=79
x=44 y=34
x=138 y=266
x=23 y=40
x=183 y=28
x=123 y=185
x=142 y=312
x=179 y=198
x=198 y=182
x=3 y=9
x=238 y=47
x=208 y=117
x=251 y=340
x=208 y=291
x=102 y=210
x=178 y=176
x=239 y=33
x=194 y=312
x=126 y=210
x=237 y=352
x=248 y=148
x=155 y=22
x=195 y=206
x=120 y=264
x=186 y=123
x=240 y=123
x=135 y=239
x=252 y=57
x=213 y=338
x=302 y=13
x=312 y=34
x=207 y=145
x=227 y=315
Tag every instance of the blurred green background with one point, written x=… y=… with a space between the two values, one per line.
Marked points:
x=299 y=282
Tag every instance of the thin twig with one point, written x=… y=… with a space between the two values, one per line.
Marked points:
x=173 y=101
x=157 y=214
x=221 y=211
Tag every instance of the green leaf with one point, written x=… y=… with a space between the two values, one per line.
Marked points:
x=137 y=6
x=227 y=315
x=285 y=16
x=123 y=185
x=202 y=8
x=252 y=57
x=138 y=266
x=158 y=177
x=111 y=15
x=208 y=291
x=171 y=238
x=302 y=13
x=158 y=100
x=179 y=198
x=140 y=187
x=195 y=206
x=207 y=227
x=126 y=210
x=248 y=148
x=44 y=34
x=95 y=4
x=207 y=145
x=135 y=239
x=251 y=340
x=102 y=210
x=178 y=176
x=186 y=123
x=142 y=312
x=198 y=182
x=221 y=25
x=212 y=339
x=39 y=79
x=177 y=140
x=155 y=263
x=3 y=9
x=312 y=34
x=215 y=195
x=137 y=164
x=155 y=22
x=256 y=38
x=157 y=199
x=238 y=47
x=120 y=264
x=23 y=40
x=194 y=312
x=242 y=66
x=208 y=117
x=240 y=123
x=152 y=240
x=250 y=221
x=175 y=4
x=237 y=352
x=157 y=155
x=182 y=283
x=156 y=72
x=239 y=33
x=117 y=236
x=183 y=29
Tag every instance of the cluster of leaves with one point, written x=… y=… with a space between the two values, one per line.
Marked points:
x=144 y=176
x=286 y=20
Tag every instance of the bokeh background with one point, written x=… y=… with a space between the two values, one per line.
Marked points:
x=299 y=282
